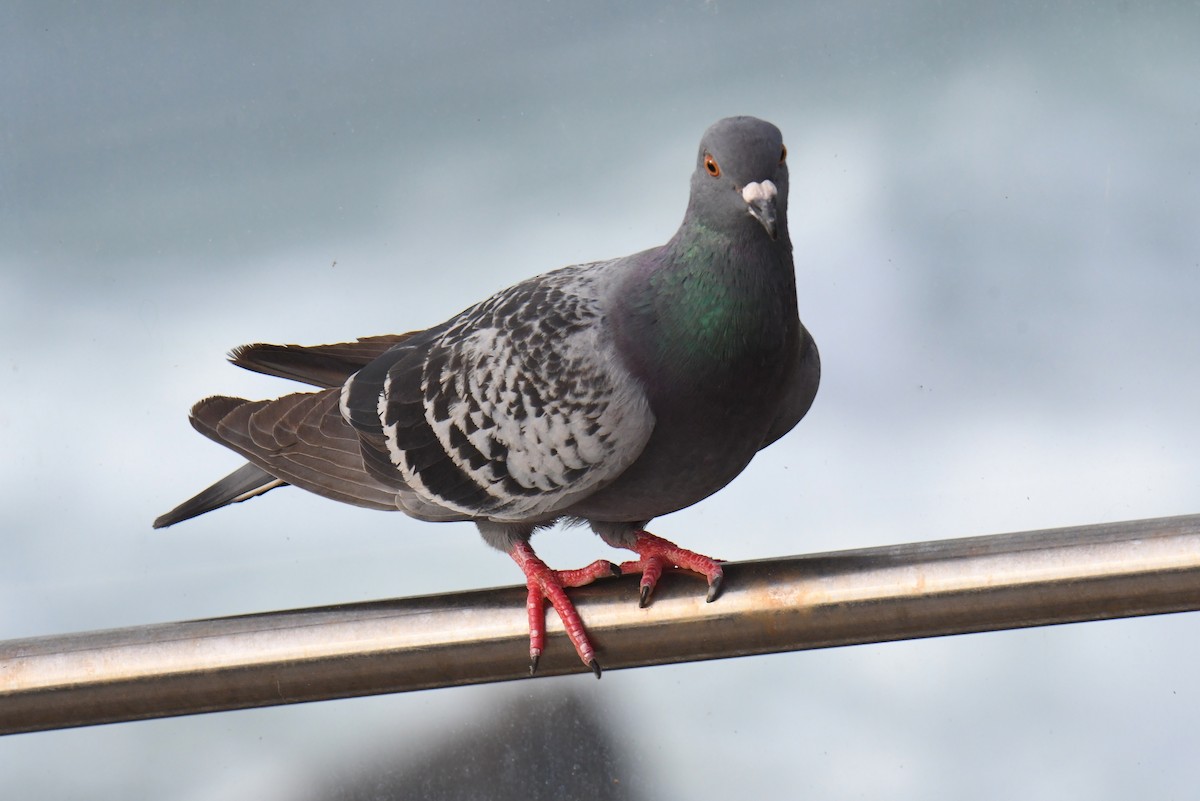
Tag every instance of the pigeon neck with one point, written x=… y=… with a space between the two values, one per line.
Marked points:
x=713 y=302
x=728 y=280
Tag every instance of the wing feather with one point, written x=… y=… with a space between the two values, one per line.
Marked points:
x=299 y=439
x=513 y=409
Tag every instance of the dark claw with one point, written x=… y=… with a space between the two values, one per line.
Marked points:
x=644 y=601
x=714 y=589
x=533 y=660
x=595 y=666
x=615 y=568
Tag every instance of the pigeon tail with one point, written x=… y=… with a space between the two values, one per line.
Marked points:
x=248 y=481
x=324 y=366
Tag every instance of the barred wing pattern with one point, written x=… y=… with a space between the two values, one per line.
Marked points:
x=511 y=410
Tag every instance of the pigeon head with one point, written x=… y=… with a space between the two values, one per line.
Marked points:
x=741 y=181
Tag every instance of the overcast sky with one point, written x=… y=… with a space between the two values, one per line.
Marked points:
x=995 y=213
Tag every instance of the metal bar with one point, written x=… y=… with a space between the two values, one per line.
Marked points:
x=897 y=592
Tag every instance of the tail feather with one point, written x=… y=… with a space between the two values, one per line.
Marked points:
x=323 y=366
x=300 y=437
x=242 y=484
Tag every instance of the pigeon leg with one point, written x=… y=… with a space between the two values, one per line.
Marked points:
x=546 y=584
x=657 y=553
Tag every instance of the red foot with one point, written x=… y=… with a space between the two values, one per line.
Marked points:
x=657 y=553
x=547 y=585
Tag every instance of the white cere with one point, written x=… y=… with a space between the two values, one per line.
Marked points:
x=758 y=191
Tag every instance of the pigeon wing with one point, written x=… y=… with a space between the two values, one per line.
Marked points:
x=510 y=411
x=300 y=439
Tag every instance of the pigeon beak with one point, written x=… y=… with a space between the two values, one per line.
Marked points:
x=760 y=198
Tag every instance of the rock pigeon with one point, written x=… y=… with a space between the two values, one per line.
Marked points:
x=608 y=393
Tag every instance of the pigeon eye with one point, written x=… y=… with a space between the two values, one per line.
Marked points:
x=710 y=164
x=783 y=154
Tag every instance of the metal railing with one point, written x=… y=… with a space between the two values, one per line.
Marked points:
x=897 y=592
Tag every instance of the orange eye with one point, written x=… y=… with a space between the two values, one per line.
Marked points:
x=783 y=154
x=710 y=164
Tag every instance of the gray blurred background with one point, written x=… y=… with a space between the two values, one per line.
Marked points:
x=996 y=214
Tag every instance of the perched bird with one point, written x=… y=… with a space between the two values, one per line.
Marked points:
x=610 y=393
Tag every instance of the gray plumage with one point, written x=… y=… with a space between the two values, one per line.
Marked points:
x=611 y=392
